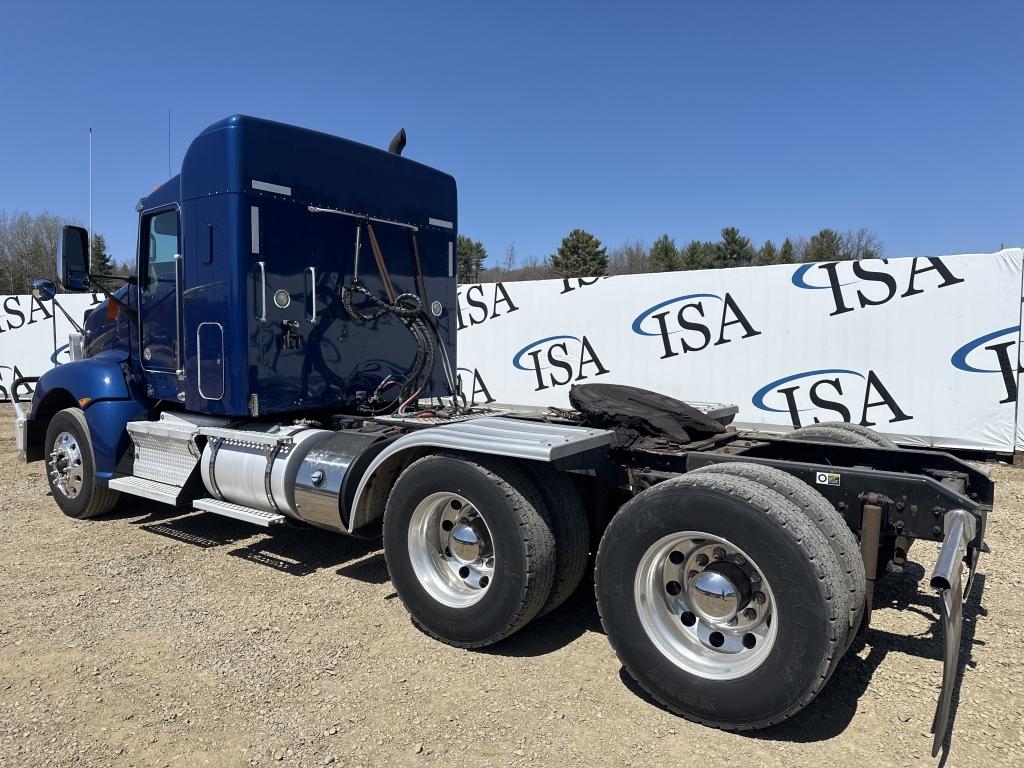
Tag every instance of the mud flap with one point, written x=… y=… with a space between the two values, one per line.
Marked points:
x=960 y=528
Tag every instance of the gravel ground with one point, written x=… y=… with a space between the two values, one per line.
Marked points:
x=155 y=638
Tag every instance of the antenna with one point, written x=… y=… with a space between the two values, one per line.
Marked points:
x=90 y=198
x=168 y=142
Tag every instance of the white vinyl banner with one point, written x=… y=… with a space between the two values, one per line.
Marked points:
x=34 y=336
x=923 y=349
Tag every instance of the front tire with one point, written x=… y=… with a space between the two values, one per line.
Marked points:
x=670 y=581
x=469 y=548
x=71 y=467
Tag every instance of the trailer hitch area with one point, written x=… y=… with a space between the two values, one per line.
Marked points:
x=960 y=530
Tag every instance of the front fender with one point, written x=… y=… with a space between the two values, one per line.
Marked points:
x=97 y=385
x=95 y=378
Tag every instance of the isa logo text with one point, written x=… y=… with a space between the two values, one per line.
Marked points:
x=831 y=394
x=690 y=323
x=559 y=360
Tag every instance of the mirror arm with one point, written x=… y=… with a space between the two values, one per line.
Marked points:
x=74 y=323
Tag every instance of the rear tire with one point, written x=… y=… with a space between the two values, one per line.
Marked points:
x=820 y=512
x=803 y=600
x=71 y=467
x=842 y=432
x=571 y=529
x=469 y=547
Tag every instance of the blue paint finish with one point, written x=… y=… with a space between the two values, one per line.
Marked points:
x=107 y=422
x=98 y=378
x=303 y=352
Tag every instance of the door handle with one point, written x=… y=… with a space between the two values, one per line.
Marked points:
x=262 y=317
x=312 y=274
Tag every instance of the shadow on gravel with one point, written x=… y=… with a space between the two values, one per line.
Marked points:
x=556 y=630
x=833 y=709
x=302 y=551
x=831 y=712
x=295 y=551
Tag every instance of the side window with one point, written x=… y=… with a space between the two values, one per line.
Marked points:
x=159 y=245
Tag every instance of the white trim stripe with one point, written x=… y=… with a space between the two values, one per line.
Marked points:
x=266 y=186
x=254 y=224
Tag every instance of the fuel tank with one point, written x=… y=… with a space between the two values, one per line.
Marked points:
x=302 y=472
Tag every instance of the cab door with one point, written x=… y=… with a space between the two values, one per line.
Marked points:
x=160 y=293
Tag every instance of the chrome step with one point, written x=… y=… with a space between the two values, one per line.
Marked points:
x=237 y=511
x=148 y=489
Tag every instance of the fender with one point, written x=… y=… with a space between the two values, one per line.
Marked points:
x=97 y=385
x=498 y=436
x=94 y=378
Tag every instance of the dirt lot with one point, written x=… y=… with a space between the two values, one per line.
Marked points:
x=155 y=638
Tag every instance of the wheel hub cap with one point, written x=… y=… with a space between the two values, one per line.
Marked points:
x=719 y=592
x=465 y=544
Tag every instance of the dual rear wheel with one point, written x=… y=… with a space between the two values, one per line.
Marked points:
x=729 y=594
x=477 y=547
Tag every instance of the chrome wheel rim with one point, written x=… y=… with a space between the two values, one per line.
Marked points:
x=66 y=468
x=705 y=605
x=451 y=549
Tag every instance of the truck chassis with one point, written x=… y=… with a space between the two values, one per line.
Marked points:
x=489 y=517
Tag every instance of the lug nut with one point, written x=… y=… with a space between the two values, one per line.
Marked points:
x=702 y=560
x=740 y=560
x=755 y=578
x=758 y=597
x=732 y=622
x=749 y=614
x=719 y=553
x=691 y=574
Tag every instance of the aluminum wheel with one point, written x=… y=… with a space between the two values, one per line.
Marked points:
x=706 y=606
x=451 y=549
x=65 y=462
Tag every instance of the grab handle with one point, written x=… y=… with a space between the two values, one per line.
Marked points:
x=312 y=275
x=262 y=317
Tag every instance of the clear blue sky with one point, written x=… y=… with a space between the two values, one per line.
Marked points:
x=626 y=119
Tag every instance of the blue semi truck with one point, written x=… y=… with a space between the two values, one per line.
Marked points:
x=285 y=355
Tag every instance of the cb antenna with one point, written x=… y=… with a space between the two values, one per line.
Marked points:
x=90 y=199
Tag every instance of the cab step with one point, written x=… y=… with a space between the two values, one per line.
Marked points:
x=147 y=489
x=238 y=512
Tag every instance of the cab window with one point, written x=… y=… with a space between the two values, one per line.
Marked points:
x=159 y=246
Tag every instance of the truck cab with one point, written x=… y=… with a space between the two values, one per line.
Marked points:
x=236 y=308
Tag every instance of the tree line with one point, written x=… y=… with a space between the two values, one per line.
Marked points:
x=581 y=254
x=28 y=246
x=28 y=250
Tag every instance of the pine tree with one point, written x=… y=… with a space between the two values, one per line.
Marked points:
x=735 y=250
x=580 y=255
x=469 y=259
x=100 y=263
x=664 y=255
x=827 y=245
x=769 y=254
x=787 y=253
x=698 y=255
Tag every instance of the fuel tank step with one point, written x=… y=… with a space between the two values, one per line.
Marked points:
x=147 y=489
x=238 y=512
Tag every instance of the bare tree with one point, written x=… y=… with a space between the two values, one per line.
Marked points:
x=862 y=244
x=28 y=248
x=630 y=258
